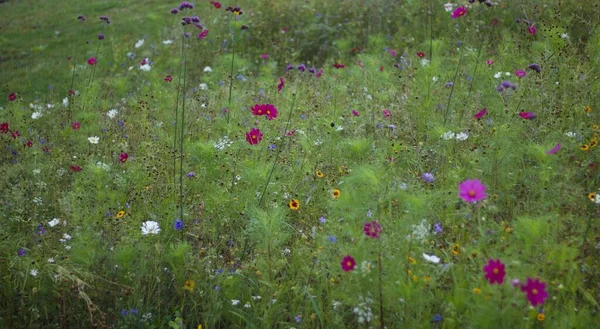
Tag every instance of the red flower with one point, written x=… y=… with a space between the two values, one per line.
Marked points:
x=494 y=271
x=280 y=85
x=339 y=66
x=480 y=114
x=123 y=157
x=291 y=132
x=348 y=263
x=92 y=61
x=265 y=109
x=202 y=34
x=168 y=78
x=4 y=128
x=536 y=291
x=254 y=136
x=15 y=134
x=71 y=92
x=372 y=229
x=76 y=168
x=12 y=97
x=460 y=11
x=76 y=125
x=420 y=54
x=527 y=115
x=29 y=144
x=381 y=68
x=216 y=4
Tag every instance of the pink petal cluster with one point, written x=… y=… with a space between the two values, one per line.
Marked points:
x=471 y=190
x=458 y=12
x=480 y=114
x=265 y=109
x=254 y=136
x=348 y=263
x=536 y=291
x=495 y=271
x=372 y=229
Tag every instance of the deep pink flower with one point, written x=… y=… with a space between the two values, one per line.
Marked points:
x=264 y=56
x=480 y=114
x=12 y=97
x=339 y=65
x=76 y=168
x=460 y=11
x=392 y=52
x=527 y=115
x=372 y=229
x=15 y=134
x=420 y=54
x=355 y=113
x=381 y=68
x=280 y=85
x=348 y=263
x=319 y=73
x=76 y=125
x=92 y=61
x=520 y=73
x=254 y=136
x=494 y=271
x=265 y=109
x=202 y=34
x=536 y=291
x=168 y=78
x=216 y=4
x=531 y=29
x=29 y=144
x=554 y=149
x=123 y=157
x=471 y=190
x=489 y=62
x=4 y=127
x=387 y=113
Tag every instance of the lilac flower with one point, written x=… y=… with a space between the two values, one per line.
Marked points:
x=322 y=220
x=331 y=239
x=428 y=177
x=185 y=5
x=290 y=67
x=298 y=318
x=81 y=18
x=100 y=36
x=21 y=252
x=535 y=67
x=312 y=70
x=124 y=312
x=191 y=174
x=438 y=228
x=301 y=67
x=41 y=229
x=174 y=11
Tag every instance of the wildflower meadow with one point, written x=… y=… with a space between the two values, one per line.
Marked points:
x=299 y=164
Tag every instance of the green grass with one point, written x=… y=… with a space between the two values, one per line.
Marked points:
x=244 y=258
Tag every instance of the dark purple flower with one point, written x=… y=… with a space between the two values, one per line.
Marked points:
x=174 y=11
x=195 y=19
x=105 y=19
x=535 y=67
x=81 y=18
x=290 y=67
x=100 y=36
x=191 y=174
x=312 y=70
x=301 y=67
x=41 y=229
x=438 y=228
x=124 y=312
x=21 y=252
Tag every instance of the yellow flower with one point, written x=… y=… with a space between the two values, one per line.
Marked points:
x=476 y=291
x=189 y=285
x=336 y=193
x=426 y=278
x=411 y=260
x=596 y=127
x=584 y=147
x=587 y=109
x=313 y=316
x=541 y=317
x=456 y=249
x=319 y=174
x=593 y=142
x=294 y=204
x=592 y=196
x=200 y=326
x=120 y=214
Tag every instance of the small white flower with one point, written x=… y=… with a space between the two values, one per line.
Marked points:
x=256 y=298
x=203 y=86
x=51 y=260
x=37 y=200
x=150 y=227
x=247 y=305
x=66 y=101
x=36 y=115
x=94 y=139
x=571 y=134
x=434 y=79
x=49 y=106
x=112 y=113
x=33 y=272
x=36 y=171
x=448 y=7
x=286 y=252
x=564 y=36
x=67 y=237
x=498 y=75
x=340 y=128
x=507 y=74
x=462 y=136
x=431 y=258
x=139 y=43
x=424 y=62
x=146 y=67
x=207 y=69
x=448 y=135
x=54 y=222
x=335 y=304
x=167 y=42
x=235 y=302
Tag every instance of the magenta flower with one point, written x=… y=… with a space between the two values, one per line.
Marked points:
x=392 y=52
x=527 y=115
x=531 y=29
x=387 y=113
x=123 y=157
x=520 y=73
x=372 y=229
x=480 y=114
x=264 y=56
x=471 y=190
x=536 y=291
x=254 y=136
x=92 y=61
x=76 y=125
x=494 y=271
x=355 y=113
x=554 y=149
x=280 y=85
x=265 y=109
x=458 y=12
x=12 y=97
x=348 y=263
x=202 y=34
x=489 y=62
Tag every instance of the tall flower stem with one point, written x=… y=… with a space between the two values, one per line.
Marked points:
x=174 y=150
x=430 y=44
x=447 y=109
x=96 y=56
x=232 y=32
x=182 y=137
x=381 y=319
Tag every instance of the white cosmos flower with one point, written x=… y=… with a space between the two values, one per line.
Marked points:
x=462 y=136
x=150 y=227
x=448 y=135
x=139 y=43
x=448 y=7
x=146 y=67
x=203 y=86
x=498 y=75
x=235 y=302
x=167 y=42
x=94 y=139
x=434 y=79
x=207 y=69
x=431 y=258
x=33 y=272
x=36 y=115
x=564 y=36
x=54 y=222
x=66 y=101
x=112 y=113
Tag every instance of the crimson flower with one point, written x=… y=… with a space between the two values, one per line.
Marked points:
x=202 y=34
x=339 y=66
x=169 y=78
x=254 y=136
x=123 y=157
x=471 y=190
x=12 y=97
x=216 y=4
x=372 y=229
x=348 y=263
x=76 y=125
x=420 y=54
x=527 y=115
x=4 y=128
x=265 y=109
x=281 y=84
x=494 y=271
x=480 y=114
x=29 y=144
x=92 y=61
x=355 y=113
x=76 y=168
x=536 y=291
x=15 y=134
x=458 y=12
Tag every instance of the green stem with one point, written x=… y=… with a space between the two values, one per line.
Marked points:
x=181 y=139
x=447 y=110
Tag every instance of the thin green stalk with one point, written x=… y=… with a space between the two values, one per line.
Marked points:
x=177 y=107
x=447 y=110
x=181 y=138
x=232 y=31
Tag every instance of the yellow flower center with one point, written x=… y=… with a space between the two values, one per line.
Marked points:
x=534 y=291
x=253 y=136
x=348 y=263
x=471 y=193
x=496 y=271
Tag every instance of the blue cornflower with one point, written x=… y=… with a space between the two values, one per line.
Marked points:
x=178 y=225
x=332 y=239
x=21 y=252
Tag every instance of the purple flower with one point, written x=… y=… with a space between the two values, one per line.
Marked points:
x=41 y=229
x=290 y=67
x=174 y=11
x=124 y=312
x=322 y=220
x=312 y=70
x=554 y=149
x=178 y=225
x=81 y=18
x=301 y=67
x=195 y=19
x=428 y=177
x=535 y=67
x=100 y=36
x=185 y=5
x=21 y=252
x=105 y=19
x=133 y=311
x=191 y=174
x=298 y=318
x=331 y=239
x=438 y=228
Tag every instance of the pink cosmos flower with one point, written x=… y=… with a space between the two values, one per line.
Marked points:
x=531 y=29
x=554 y=149
x=480 y=114
x=458 y=12
x=494 y=271
x=520 y=73
x=355 y=113
x=264 y=56
x=348 y=263
x=372 y=229
x=202 y=34
x=254 y=136
x=392 y=52
x=387 y=113
x=420 y=54
x=12 y=97
x=168 y=78
x=123 y=157
x=489 y=62
x=92 y=61
x=339 y=65
x=527 y=115
x=76 y=125
x=4 y=128
x=280 y=85
x=216 y=4
x=76 y=168
x=265 y=109
x=536 y=291
x=471 y=190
